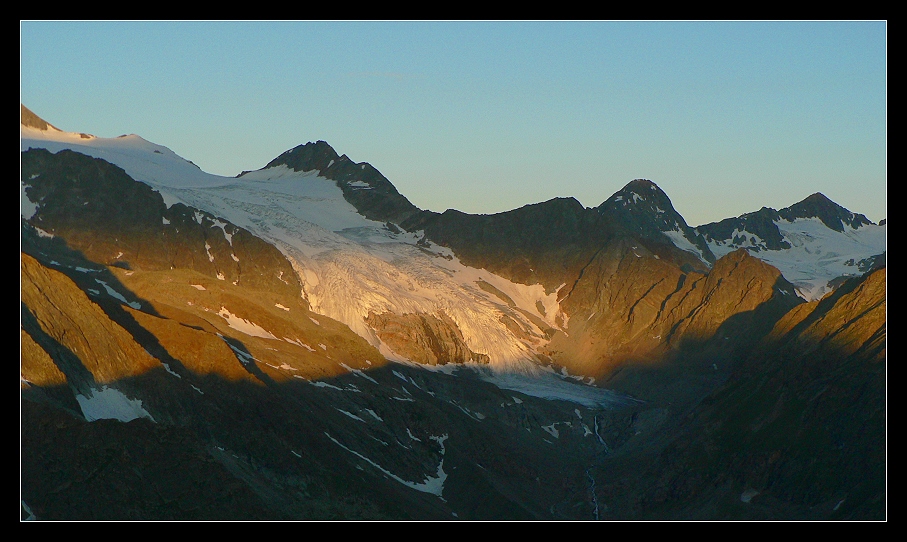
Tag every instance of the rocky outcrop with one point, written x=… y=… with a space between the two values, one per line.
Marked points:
x=28 y=118
x=63 y=324
x=424 y=338
x=760 y=226
x=550 y=243
x=631 y=307
x=543 y=243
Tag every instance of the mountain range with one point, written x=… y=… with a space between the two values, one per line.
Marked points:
x=301 y=342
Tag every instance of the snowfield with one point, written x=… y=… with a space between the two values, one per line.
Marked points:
x=817 y=255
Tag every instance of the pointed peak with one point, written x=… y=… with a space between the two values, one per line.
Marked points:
x=639 y=190
x=309 y=157
x=318 y=147
x=642 y=183
x=817 y=200
x=643 y=188
x=830 y=213
x=818 y=197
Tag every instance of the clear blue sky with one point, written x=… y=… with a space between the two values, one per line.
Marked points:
x=487 y=116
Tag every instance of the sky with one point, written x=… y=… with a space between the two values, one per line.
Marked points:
x=487 y=116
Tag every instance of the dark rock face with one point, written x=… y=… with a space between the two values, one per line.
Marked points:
x=760 y=223
x=552 y=242
x=133 y=471
x=28 y=118
x=539 y=243
x=872 y=263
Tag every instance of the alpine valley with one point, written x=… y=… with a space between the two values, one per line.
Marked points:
x=300 y=342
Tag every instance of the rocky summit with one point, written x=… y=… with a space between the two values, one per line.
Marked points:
x=302 y=343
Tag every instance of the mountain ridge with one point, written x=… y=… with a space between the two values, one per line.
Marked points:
x=305 y=356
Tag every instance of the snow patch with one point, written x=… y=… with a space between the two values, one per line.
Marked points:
x=680 y=241
x=113 y=293
x=297 y=342
x=351 y=415
x=748 y=495
x=243 y=325
x=110 y=404
x=320 y=384
x=432 y=484
x=358 y=372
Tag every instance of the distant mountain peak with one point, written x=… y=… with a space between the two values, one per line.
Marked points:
x=316 y=156
x=644 y=208
x=641 y=189
x=641 y=183
x=817 y=197
x=363 y=186
x=831 y=214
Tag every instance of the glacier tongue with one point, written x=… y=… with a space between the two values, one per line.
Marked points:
x=353 y=267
